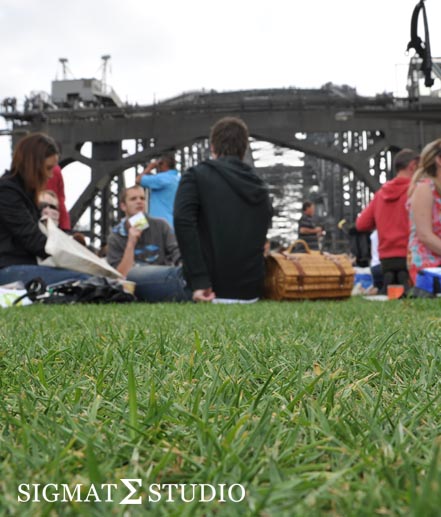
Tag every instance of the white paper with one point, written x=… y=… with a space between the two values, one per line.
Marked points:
x=66 y=252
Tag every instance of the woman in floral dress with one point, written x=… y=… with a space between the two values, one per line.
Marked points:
x=425 y=211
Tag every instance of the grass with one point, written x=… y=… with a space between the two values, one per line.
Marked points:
x=317 y=408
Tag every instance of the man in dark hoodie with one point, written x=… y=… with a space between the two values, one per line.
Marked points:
x=388 y=213
x=222 y=213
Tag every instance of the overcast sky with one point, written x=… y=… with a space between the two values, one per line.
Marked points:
x=162 y=48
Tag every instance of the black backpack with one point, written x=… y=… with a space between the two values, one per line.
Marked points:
x=96 y=289
x=360 y=246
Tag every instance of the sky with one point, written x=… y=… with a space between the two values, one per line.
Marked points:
x=160 y=49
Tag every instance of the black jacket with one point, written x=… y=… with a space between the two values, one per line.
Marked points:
x=21 y=241
x=222 y=213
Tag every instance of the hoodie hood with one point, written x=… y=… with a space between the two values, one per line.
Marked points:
x=394 y=189
x=241 y=178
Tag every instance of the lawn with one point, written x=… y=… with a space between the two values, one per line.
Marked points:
x=314 y=408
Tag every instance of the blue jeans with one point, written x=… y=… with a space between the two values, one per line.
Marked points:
x=26 y=272
x=160 y=284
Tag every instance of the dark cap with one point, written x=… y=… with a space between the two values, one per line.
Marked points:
x=403 y=158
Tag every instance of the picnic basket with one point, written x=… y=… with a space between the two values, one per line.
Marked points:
x=311 y=275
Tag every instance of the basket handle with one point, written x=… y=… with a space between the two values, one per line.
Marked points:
x=294 y=244
x=339 y=267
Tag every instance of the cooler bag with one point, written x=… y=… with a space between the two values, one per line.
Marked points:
x=429 y=279
x=311 y=275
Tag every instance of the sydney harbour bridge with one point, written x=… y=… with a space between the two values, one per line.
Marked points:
x=348 y=141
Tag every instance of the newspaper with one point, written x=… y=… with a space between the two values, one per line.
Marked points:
x=65 y=252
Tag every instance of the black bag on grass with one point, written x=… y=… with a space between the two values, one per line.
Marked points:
x=95 y=289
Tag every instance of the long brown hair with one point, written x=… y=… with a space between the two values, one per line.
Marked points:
x=427 y=167
x=29 y=158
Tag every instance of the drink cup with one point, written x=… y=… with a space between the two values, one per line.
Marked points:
x=394 y=291
x=139 y=221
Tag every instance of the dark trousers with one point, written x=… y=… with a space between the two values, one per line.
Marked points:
x=377 y=277
x=395 y=272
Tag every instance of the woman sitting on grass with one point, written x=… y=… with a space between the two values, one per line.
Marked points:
x=425 y=211
x=21 y=240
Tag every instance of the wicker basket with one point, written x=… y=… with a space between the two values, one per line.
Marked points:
x=310 y=275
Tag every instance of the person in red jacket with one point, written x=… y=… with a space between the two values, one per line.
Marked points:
x=56 y=184
x=387 y=212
